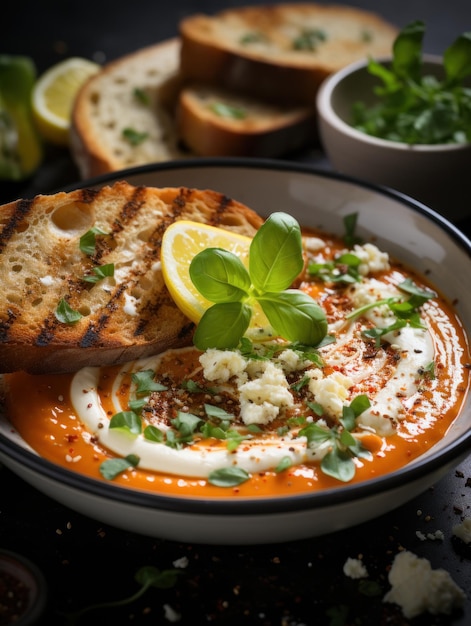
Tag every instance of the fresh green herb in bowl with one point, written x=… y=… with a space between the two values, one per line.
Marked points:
x=416 y=107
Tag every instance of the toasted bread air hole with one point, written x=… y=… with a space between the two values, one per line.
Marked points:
x=72 y=219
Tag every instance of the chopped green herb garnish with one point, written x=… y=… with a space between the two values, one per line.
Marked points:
x=338 y=462
x=111 y=468
x=252 y=37
x=152 y=433
x=88 y=240
x=309 y=39
x=284 y=464
x=228 y=477
x=65 y=314
x=141 y=96
x=145 y=383
x=99 y=273
x=222 y=109
x=134 y=137
x=127 y=422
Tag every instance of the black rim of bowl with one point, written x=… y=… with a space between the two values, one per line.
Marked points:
x=417 y=470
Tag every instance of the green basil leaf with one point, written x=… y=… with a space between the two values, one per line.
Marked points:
x=457 y=59
x=218 y=412
x=152 y=433
x=186 y=423
x=276 y=255
x=111 y=468
x=127 y=421
x=222 y=326
x=145 y=383
x=284 y=464
x=315 y=433
x=228 y=477
x=359 y=404
x=219 y=275
x=295 y=316
x=66 y=314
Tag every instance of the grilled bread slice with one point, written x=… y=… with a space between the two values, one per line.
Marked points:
x=123 y=116
x=279 y=52
x=45 y=266
x=216 y=122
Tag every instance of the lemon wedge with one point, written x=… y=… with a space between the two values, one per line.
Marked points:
x=181 y=242
x=53 y=96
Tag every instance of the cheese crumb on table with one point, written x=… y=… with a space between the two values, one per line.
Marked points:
x=354 y=568
x=417 y=588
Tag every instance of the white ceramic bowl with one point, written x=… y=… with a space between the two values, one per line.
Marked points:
x=437 y=175
x=408 y=231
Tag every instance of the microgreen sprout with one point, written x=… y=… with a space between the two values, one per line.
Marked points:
x=275 y=260
x=146 y=577
x=415 y=107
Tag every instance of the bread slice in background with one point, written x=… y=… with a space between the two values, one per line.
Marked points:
x=136 y=92
x=279 y=52
x=216 y=122
x=124 y=317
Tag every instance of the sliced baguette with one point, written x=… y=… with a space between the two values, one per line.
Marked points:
x=111 y=102
x=124 y=317
x=280 y=52
x=217 y=122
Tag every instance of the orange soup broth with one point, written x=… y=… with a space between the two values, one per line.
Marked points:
x=40 y=409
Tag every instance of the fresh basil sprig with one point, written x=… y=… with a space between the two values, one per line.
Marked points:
x=414 y=107
x=275 y=260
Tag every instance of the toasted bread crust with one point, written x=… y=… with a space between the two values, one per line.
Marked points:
x=124 y=317
x=266 y=52
x=256 y=129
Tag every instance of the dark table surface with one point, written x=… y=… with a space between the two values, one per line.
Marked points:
x=288 y=584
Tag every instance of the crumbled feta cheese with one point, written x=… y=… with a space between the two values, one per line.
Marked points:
x=371 y=257
x=221 y=365
x=262 y=399
x=437 y=535
x=291 y=361
x=330 y=391
x=313 y=244
x=47 y=281
x=130 y=305
x=354 y=568
x=463 y=530
x=182 y=562
x=170 y=614
x=417 y=588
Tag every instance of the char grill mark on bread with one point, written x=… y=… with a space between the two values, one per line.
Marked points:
x=124 y=317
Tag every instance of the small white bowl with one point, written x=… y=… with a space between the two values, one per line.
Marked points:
x=437 y=175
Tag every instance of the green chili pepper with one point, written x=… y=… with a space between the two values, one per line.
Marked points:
x=20 y=147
